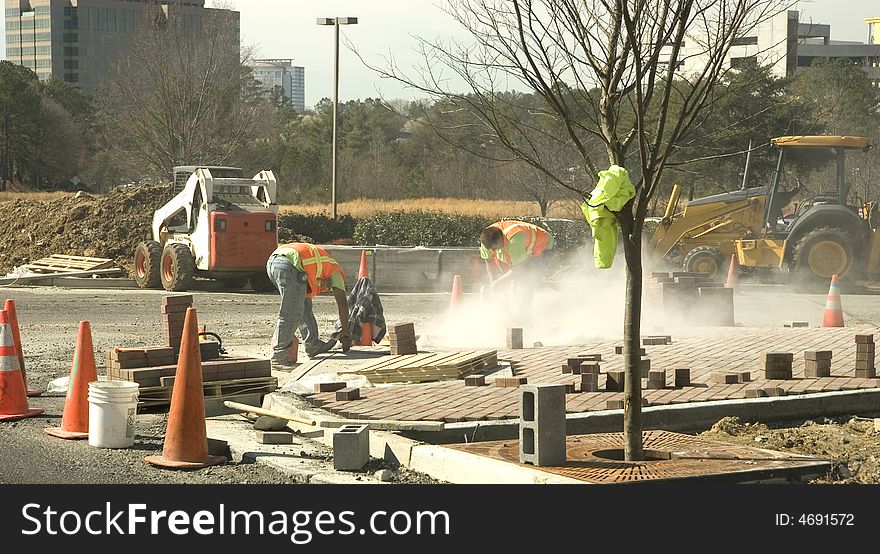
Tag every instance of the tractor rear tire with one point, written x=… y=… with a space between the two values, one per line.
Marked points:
x=822 y=253
x=178 y=268
x=707 y=260
x=147 y=261
x=260 y=282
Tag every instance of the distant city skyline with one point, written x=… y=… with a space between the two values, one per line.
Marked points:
x=286 y=29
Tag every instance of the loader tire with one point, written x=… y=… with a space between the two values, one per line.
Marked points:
x=147 y=261
x=260 y=282
x=178 y=268
x=705 y=259
x=822 y=253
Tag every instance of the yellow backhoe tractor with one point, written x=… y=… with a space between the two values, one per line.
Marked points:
x=826 y=235
x=749 y=221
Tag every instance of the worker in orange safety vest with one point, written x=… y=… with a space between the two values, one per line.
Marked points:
x=301 y=271
x=516 y=248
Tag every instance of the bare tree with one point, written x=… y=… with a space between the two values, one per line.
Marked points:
x=183 y=94
x=607 y=71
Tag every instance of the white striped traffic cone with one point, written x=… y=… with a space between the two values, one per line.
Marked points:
x=833 y=316
x=13 y=396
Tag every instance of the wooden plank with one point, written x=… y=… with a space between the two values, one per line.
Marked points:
x=63 y=262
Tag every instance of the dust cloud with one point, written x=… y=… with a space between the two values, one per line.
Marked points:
x=581 y=305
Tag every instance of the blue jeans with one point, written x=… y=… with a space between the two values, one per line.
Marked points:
x=296 y=309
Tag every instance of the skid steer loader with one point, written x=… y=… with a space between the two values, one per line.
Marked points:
x=220 y=225
x=703 y=236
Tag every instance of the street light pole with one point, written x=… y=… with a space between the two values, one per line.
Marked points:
x=336 y=22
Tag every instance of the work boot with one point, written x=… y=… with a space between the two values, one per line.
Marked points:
x=283 y=365
x=321 y=348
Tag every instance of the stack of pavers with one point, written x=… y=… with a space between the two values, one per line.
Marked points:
x=156 y=366
x=817 y=363
x=403 y=339
x=588 y=367
x=692 y=295
x=776 y=365
x=865 y=357
x=173 y=314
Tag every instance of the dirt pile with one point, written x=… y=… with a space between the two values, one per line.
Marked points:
x=852 y=443
x=108 y=226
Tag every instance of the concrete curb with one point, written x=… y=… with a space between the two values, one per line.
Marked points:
x=692 y=416
x=411 y=449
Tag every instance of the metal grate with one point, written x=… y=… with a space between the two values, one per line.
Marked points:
x=676 y=457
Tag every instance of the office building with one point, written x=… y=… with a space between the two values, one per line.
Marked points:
x=77 y=40
x=284 y=76
x=789 y=45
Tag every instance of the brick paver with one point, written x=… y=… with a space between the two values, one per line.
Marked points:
x=707 y=351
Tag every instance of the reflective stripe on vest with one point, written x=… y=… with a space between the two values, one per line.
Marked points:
x=315 y=262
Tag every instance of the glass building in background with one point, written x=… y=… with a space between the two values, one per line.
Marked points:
x=76 y=40
x=288 y=78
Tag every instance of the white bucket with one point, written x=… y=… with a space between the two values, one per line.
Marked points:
x=112 y=409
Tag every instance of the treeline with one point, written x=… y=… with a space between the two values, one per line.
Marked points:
x=147 y=121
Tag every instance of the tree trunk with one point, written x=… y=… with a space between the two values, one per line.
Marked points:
x=632 y=393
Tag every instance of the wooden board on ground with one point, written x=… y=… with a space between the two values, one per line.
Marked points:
x=161 y=396
x=427 y=367
x=57 y=263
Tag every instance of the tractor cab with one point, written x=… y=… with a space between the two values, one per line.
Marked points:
x=823 y=235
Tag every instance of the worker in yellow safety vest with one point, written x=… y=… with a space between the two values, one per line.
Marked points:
x=515 y=247
x=302 y=271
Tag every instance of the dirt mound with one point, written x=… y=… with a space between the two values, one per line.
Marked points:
x=108 y=226
x=853 y=443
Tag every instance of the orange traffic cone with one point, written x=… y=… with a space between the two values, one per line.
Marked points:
x=75 y=421
x=731 y=274
x=833 y=316
x=13 y=396
x=364 y=270
x=186 y=439
x=366 y=328
x=9 y=306
x=457 y=293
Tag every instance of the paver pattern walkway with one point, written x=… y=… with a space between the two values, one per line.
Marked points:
x=721 y=349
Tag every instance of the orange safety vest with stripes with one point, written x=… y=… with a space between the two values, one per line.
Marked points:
x=317 y=265
x=536 y=240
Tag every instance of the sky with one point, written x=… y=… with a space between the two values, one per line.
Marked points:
x=287 y=29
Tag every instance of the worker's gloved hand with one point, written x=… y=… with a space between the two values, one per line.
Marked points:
x=345 y=341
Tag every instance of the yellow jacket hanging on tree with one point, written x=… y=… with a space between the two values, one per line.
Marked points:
x=612 y=192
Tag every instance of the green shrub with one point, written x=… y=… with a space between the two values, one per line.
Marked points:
x=420 y=228
x=320 y=228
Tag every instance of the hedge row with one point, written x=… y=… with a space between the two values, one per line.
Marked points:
x=420 y=228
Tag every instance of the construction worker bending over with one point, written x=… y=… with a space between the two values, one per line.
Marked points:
x=516 y=248
x=301 y=271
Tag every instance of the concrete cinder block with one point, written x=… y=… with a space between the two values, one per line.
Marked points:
x=866 y=373
x=864 y=339
x=818 y=355
x=590 y=367
x=274 y=437
x=865 y=347
x=351 y=447
x=510 y=381
x=795 y=323
x=475 y=381
x=817 y=372
x=590 y=357
x=542 y=425
x=724 y=377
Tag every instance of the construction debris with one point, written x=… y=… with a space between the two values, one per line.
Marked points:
x=61 y=263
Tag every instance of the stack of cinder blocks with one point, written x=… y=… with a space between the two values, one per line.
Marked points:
x=403 y=339
x=734 y=377
x=817 y=363
x=131 y=368
x=655 y=340
x=865 y=357
x=776 y=365
x=514 y=338
x=173 y=314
